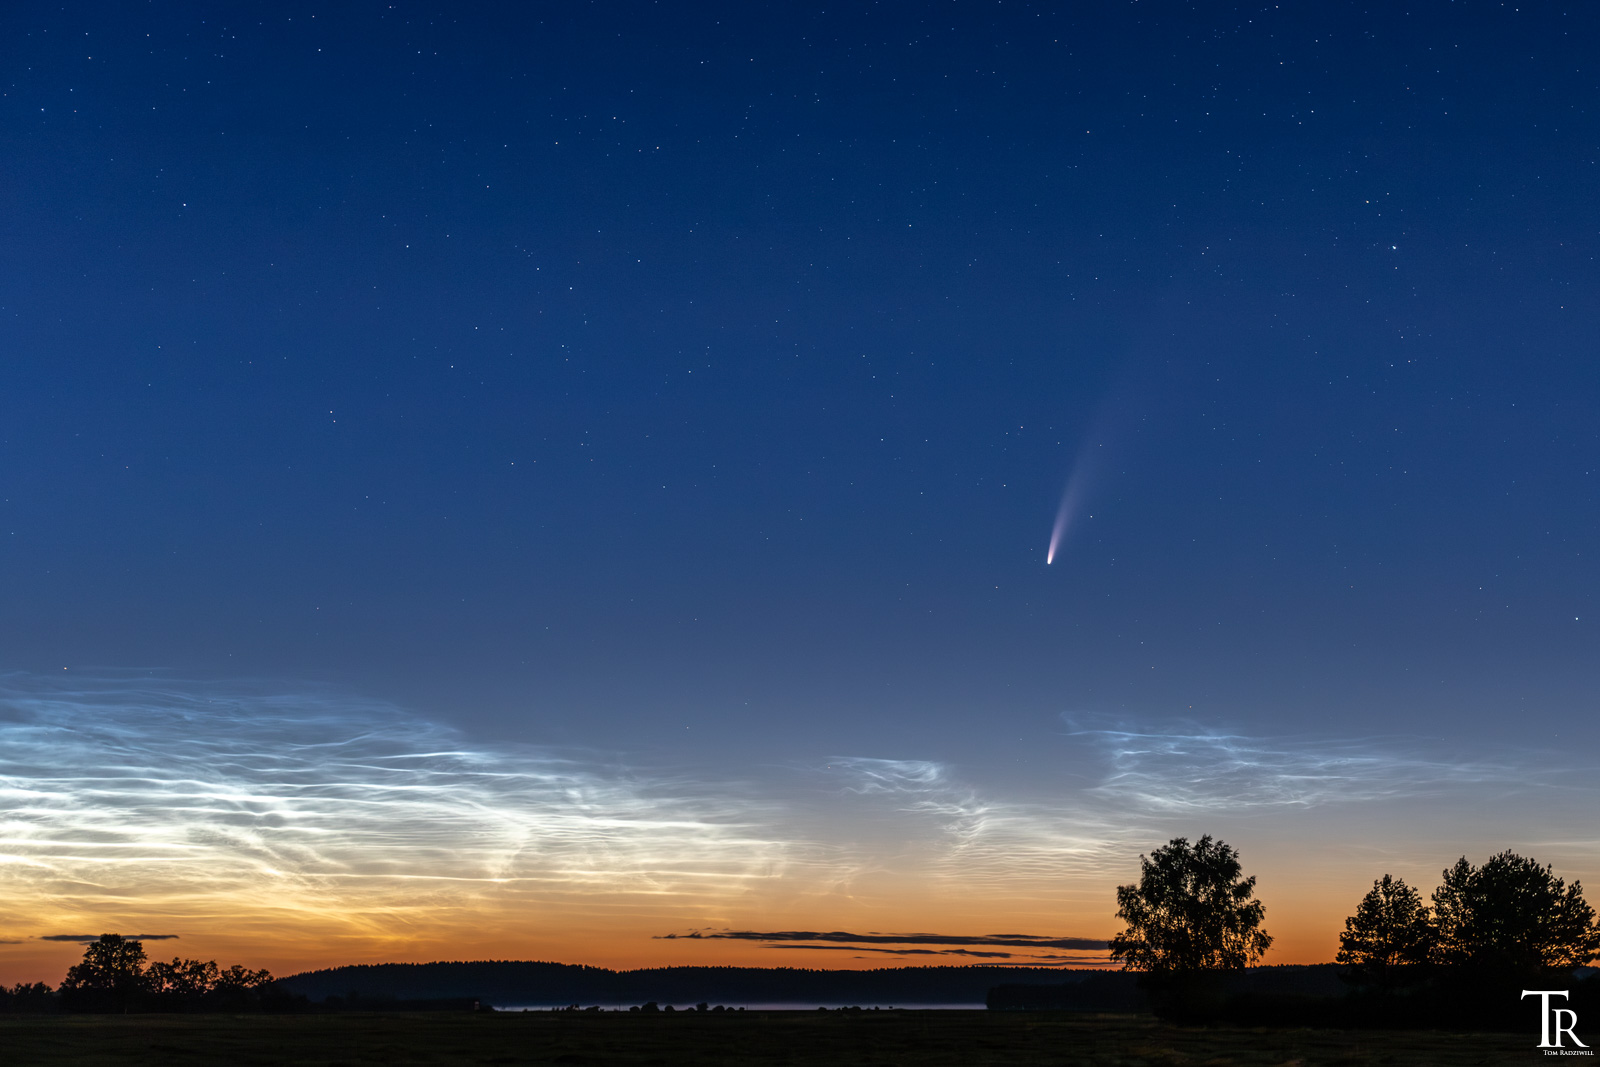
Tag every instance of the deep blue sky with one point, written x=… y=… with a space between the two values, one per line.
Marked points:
x=704 y=378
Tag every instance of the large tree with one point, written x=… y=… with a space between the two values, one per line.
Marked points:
x=1190 y=911
x=1391 y=929
x=110 y=978
x=1513 y=916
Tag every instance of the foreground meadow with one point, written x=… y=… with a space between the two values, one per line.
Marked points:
x=711 y=1040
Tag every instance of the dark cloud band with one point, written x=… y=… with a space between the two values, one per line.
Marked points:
x=840 y=936
x=85 y=938
x=1014 y=959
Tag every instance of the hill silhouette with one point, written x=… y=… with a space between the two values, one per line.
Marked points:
x=534 y=983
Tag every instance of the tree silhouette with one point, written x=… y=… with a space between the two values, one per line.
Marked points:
x=236 y=987
x=113 y=977
x=1512 y=916
x=110 y=978
x=1191 y=911
x=181 y=983
x=1391 y=929
x=27 y=997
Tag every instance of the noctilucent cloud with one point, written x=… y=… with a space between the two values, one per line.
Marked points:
x=636 y=485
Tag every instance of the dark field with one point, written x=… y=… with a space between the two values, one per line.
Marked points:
x=799 y=1038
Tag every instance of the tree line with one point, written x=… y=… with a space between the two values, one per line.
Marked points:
x=1192 y=918
x=114 y=976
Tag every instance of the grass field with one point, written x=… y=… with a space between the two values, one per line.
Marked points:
x=834 y=1039
x=799 y=1038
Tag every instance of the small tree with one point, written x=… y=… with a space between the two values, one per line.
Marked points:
x=27 y=997
x=1391 y=929
x=239 y=987
x=181 y=983
x=1512 y=916
x=1191 y=911
x=110 y=978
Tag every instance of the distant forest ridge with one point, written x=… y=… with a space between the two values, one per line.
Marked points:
x=531 y=983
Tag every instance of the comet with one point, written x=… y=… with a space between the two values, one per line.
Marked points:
x=1071 y=499
x=1058 y=532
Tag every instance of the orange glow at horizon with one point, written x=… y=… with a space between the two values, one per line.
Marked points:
x=625 y=931
x=299 y=831
x=616 y=935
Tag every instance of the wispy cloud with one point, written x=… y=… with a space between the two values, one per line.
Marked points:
x=1187 y=768
x=208 y=800
x=887 y=777
x=988 y=842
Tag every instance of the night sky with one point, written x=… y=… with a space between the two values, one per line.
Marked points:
x=528 y=479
